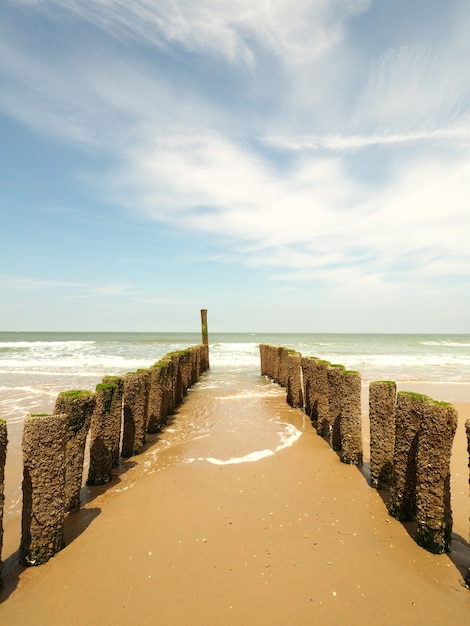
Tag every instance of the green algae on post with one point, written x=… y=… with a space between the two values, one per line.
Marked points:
x=3 y=455
x=43 y=444
x=382 y=406
x=78 y=406
x=351 y=418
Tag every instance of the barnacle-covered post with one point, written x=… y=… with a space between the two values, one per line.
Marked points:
x=42 y=536
x=433 y=508
x=3 y=456
x=105 y=430
x=78 y=405
x=351 y=418
x=382 y=406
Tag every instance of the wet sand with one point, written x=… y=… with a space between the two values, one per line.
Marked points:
x=293 y=538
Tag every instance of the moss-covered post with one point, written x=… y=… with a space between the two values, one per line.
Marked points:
x=467 y=429
x=204 y=364
x=3 y=456
x=178 y=391
x=351 y=419
x=263 y=358
x=44 y=438
x=409 y=413
x=335 y=392
x=156 y=404
x=433 y=508
x=382 y=405
x=308 y=374
x=105 y=431
x=195 y=353
x=135 y=407
x=321 y=405
x=78 y=405
x=294 y=380
x=283 y=366
x=186 y=370
x=168 y=380
x=205 y=337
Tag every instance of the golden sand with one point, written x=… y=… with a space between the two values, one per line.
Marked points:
x=293 y=538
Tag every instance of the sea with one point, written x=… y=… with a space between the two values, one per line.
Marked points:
x=36 y=366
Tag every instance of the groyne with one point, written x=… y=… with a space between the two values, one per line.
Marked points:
x=3 y=456
x=115 y=418
x=411 y=437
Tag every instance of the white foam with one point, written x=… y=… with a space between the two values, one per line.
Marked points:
x=288 y=437
x=42 y=344
x=248 y=458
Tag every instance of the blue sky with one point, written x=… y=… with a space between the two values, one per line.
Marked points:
x=290 y=165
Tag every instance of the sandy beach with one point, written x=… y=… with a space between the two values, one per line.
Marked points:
x=293 y=538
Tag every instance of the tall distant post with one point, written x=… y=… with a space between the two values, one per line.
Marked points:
x=205 y=335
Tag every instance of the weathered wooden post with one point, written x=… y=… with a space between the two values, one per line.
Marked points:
x=168 y=378
x=433 y=508
x=294 y=380
x=316 y=390
x=205 y=337
x=467 y=429
x=177 y=379
x=3 y=456
x=105 y=430
x=351 y=418
x=78 y=405
x=195 y=357
x=186 y=369
x=135 y=408
x=263 y=357
x=335 y=391
x=283 y=367
x=44 y=438
x=382 y=405
x=409 y=413
x=156 y=404
x=275 y=362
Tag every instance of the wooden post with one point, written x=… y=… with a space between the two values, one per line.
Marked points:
x=382 y=405
x=44 y=441
x=205 y=335
x=3 y=456
x=78 y=405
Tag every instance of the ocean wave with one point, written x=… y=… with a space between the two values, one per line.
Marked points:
x=77 y=363
x=28 y=390
x=42 y=344
x=447 y=343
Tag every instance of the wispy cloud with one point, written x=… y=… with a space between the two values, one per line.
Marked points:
x=26 y=283
x=23 y=283
x=243 y=122
x=232 y=30
x=112 y=289
x=164 y=300
x=354 y=143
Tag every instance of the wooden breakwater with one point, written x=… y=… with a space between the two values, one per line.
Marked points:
x=411 y=436
x=115 y=418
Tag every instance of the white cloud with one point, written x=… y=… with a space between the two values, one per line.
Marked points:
x=352 y=143
x=317 y=222
x=112 y=289
x=26 y=283
x=411 y=89
x=204 y=162
x=232 y=30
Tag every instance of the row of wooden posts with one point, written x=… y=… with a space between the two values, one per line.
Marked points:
x=411 y=436
x=116 y=417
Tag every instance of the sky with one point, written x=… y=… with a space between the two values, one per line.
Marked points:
x=290 y=165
